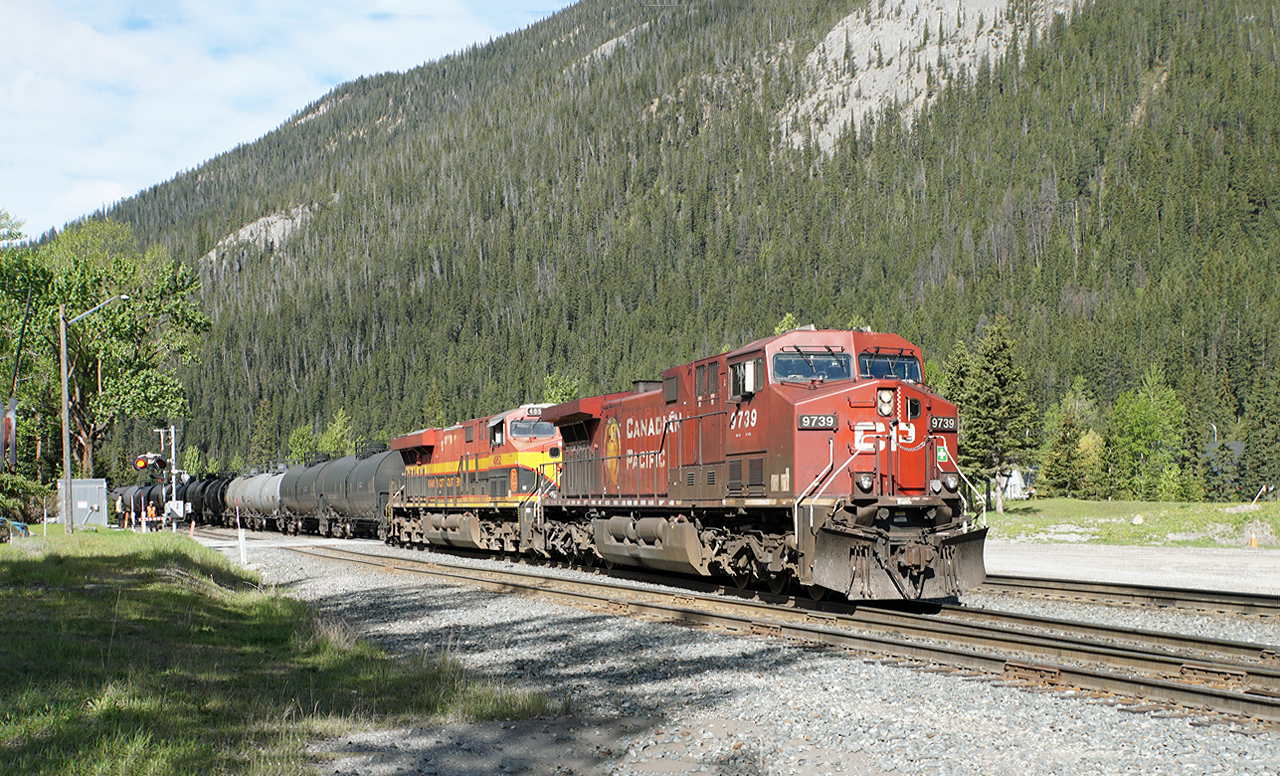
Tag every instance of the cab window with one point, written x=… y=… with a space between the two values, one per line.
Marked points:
x=532 y=428
x=805 y=367
x=879 y=365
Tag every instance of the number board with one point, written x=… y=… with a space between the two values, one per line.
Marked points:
x=816 y=422
x=942 y=423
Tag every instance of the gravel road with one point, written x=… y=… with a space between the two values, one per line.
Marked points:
x=657 y=698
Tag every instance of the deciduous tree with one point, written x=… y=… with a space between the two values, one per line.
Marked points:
x=122 y=359
x=1144 y=436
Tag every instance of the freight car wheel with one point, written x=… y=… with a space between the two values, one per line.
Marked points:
x=778 y=583
x=815 y=592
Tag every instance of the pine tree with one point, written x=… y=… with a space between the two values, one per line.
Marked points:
x=263 y=436
x=998 y=420
x=337 y=438
x=559 y=389
x=302 y=444
x=1145 y=436
x=1062 y=470
x=1259 y=464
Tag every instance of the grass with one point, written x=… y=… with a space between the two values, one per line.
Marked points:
x=1171 y=524
x=147 y=654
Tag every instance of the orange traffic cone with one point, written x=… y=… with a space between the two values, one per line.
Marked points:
x=1253 y=538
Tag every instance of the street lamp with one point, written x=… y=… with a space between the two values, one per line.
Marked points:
x=66 y=405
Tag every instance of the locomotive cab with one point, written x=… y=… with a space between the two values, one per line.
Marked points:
x=836 y=432
x=880 y=515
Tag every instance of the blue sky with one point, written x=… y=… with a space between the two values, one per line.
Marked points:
x=100 y=99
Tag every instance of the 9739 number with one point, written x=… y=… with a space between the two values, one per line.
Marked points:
x=942 y=423
x=807 y=422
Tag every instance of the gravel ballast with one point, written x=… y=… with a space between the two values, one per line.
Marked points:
x=657 y=698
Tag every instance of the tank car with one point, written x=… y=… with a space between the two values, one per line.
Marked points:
x=331 y=497
x=300 y=496
x=259 y=500
x=352 y=493
x=378 y=473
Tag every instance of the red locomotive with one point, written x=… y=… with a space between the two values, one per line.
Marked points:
x=813 y=457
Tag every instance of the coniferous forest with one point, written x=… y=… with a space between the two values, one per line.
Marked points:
x=1108 y=190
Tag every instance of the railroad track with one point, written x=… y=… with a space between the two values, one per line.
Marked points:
x=1173 y=675
x=1136 y=595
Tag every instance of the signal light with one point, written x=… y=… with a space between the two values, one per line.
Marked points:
x=150 y=461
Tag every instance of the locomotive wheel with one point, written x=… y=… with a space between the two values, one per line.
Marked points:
x=778 y=583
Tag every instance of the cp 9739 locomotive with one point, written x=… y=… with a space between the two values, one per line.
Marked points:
x=812 y=458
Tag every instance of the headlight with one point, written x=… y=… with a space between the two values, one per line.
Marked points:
x=865 y=481
x=935 y=486
x=952 y=482
x=884 y=402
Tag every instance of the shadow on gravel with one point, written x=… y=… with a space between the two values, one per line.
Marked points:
x=568 y=745
x=632 y=664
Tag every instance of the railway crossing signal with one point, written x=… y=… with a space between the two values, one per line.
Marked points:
x=154 y=461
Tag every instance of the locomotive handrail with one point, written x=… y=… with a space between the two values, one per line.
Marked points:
x=976 y=492
x=844 y=465
x=662 y=445
x=831 y=460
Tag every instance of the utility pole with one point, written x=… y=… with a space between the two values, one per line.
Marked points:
x=173 y=466
x=66 y=424
x=63 y=323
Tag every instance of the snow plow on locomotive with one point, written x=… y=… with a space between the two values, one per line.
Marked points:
x=812 y=458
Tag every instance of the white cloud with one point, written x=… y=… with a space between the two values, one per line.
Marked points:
x=99 y=100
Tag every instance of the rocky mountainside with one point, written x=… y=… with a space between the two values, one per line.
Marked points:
x=625 y=186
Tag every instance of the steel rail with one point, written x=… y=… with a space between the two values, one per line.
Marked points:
x=1142 y=595
x=861 y=614
x=1236 y=650
x=883 y=633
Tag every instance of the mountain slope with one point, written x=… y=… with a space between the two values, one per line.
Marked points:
x=622 y=187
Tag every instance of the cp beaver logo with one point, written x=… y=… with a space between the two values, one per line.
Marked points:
x=612 y=451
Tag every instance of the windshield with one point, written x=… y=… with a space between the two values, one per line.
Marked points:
x=803 y=367
x=532 y=428
x=889 y=365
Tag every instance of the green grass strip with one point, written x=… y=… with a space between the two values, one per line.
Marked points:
x=1148 y=523
x=148 y=654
